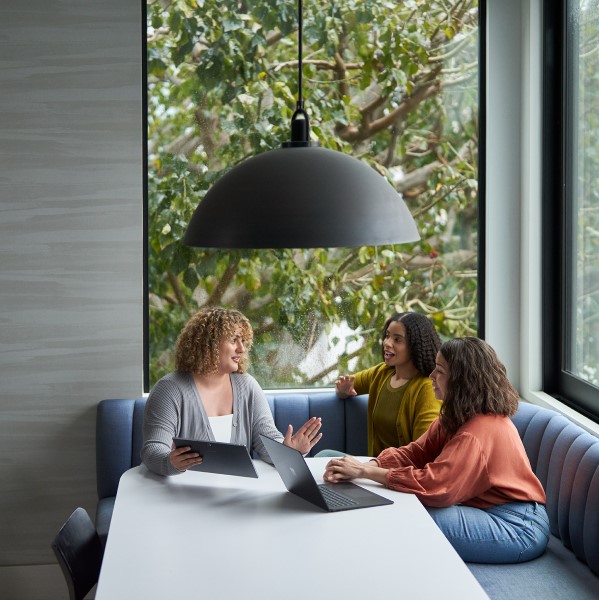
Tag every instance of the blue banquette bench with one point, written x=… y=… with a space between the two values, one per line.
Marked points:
x=562 y=454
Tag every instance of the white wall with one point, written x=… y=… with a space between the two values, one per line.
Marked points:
x=503 y=193
x=70 y=262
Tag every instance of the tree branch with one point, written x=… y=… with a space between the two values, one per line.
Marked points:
x=419 y=177
x=217 y=294
x=355 y=133
x=179 y=295
x=322 y=65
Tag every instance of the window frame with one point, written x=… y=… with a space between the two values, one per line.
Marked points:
x=558 y=138
x=481 y=201
x=145 y=240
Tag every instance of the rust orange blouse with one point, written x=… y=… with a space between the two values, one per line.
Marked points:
x=484 y=464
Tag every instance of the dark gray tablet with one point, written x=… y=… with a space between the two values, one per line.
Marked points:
x=220 y=457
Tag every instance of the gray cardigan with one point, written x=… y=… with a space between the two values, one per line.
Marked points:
x=174 y=409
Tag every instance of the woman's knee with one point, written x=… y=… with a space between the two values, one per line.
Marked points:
x=537 y=533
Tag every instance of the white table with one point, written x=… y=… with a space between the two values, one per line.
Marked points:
x=199 y=535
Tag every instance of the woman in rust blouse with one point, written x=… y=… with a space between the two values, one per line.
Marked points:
x=470 y=469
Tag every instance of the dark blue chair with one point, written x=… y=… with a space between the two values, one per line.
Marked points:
x=79 y=553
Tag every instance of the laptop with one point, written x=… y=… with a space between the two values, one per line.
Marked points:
x=298 y=479
x=220 y=457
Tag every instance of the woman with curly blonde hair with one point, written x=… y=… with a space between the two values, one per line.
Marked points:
x=210 y=396
x=470 y=469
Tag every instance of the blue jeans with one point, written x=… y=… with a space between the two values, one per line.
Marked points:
x=508 y=533
x=329 y=453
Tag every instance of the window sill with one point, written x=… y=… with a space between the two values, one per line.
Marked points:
x=547 y=401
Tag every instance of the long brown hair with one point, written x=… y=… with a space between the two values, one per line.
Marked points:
x=197 y=349
x=477 y=383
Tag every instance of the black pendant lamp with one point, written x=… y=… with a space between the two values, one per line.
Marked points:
x=301 y=196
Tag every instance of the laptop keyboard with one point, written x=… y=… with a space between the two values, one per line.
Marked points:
x=336 y=500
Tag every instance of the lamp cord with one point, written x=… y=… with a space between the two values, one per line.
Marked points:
x=300 y=123
x=300 y=100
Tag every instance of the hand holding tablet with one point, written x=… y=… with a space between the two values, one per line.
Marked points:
x=217 y=457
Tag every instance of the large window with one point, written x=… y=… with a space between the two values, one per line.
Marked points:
x=573 y=71
x=393 y=84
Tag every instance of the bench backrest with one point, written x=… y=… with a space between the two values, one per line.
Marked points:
x=566 y=460
x=564 y=457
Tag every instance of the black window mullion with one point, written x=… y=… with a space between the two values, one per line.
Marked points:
x=552 y=190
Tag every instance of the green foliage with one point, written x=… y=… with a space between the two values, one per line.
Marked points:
x=393 y=84
x=583 y=147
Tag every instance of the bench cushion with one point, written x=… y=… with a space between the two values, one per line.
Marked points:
x=565 y=458
x=556 y=575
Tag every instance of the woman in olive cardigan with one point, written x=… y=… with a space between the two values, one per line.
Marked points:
x=401 y=400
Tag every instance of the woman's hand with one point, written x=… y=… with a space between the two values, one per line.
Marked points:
x=307 y=436
x=182 y=458
x=344 y=386
x=343 y=469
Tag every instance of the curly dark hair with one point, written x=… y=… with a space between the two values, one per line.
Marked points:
x=197 y=349
x=477 y=383
x=422 y=337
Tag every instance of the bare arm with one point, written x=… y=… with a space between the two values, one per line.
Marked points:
x=347 y=467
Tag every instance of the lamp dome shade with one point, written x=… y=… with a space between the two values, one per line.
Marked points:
x=301 y=197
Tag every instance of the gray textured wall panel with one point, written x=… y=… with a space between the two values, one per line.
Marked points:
x=71 y=244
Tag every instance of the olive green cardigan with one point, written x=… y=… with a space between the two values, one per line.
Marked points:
x=417 y=411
